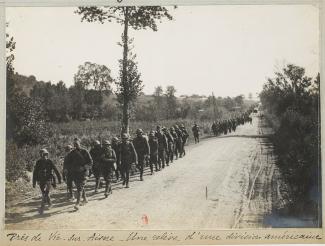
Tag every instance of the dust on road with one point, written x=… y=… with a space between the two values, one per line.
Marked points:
x=222 y=183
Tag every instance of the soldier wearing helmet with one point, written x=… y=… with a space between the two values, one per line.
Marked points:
x=196 y=133
x=185 y=136
x=142 y=148
x=115 y=147
x=127 y=156
x=108 y=160
x=43 y=175
x=67 y=172
x=96 y=153
x=162 y=147
x=176 y=141
x=81 y=163
x=153 y=144
x=170 y=146
x=179 y=142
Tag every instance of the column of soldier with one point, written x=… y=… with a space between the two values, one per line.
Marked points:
x=108 y=159
x=230 y=125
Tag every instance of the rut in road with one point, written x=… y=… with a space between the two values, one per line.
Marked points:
x=219 y=184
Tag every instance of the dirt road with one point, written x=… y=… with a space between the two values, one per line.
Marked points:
x=223 y=182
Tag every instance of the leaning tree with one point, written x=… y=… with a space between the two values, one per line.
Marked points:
x=135 y=17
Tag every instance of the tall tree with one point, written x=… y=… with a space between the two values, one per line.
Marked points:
x=135 y=17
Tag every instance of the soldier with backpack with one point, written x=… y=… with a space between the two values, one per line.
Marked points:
x=81 y=163
x=108 y=159
x=43 y=175
x=127 y=156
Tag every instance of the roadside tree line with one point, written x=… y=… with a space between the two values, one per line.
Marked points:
x=291 y=104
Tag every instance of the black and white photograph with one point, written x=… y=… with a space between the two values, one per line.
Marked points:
x=154 y=117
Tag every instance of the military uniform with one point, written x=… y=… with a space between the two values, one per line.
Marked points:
x=170 y=147
x=153 y=143
x=81 y=164
x=96 y=153
x=185 y=136
x=67 y=177
x=162 y=147
x=196 y=133
x=179 y=142
x=142 y=148
x=108 y=158
x=43 y=174
x=127 y=156
x=115 y=147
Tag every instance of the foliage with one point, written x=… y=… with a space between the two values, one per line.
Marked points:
x=291 y=102
x=92 y=75
x=171 y=102
x=136 y=17
x=10 y=46
x=26 y=120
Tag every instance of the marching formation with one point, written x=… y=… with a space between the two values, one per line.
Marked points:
x=230 y=125
x=114 y=160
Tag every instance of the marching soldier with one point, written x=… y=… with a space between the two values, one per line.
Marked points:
x=170 y=146
x=115 y=147
x=43 y=175
x=162 y=147
x=142 y=148
x=67 y=172
x=96 y=153
x=81 y=164
x=179 y=142
x=108 y=159
x=176 y=141
x=196 y=133
x=184 y=138
x=153 y=144
x=127 y=156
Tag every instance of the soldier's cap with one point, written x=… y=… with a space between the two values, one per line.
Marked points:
x=139 y=131
x=106 y=143
x=96 y=142
x=125 y=136
x=43 y=151
x=114 y=139
x=171 y=128
x=76 y=140
x=158 y=127
x=68 y=147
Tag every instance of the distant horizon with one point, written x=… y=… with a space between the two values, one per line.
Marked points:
x=254 y=98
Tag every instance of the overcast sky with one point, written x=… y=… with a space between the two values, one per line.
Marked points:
x=228 y=50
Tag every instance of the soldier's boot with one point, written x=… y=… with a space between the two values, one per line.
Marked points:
x=151 y=168
x=49 y=202
x=84 y=197
x=116 y=175
x=41 y=209
x=77 y=205
x=96 y=185
x=127 y=184
x=70 y=194
x=100 y=183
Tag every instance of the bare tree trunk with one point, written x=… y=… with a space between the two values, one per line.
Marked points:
x=125 y=117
